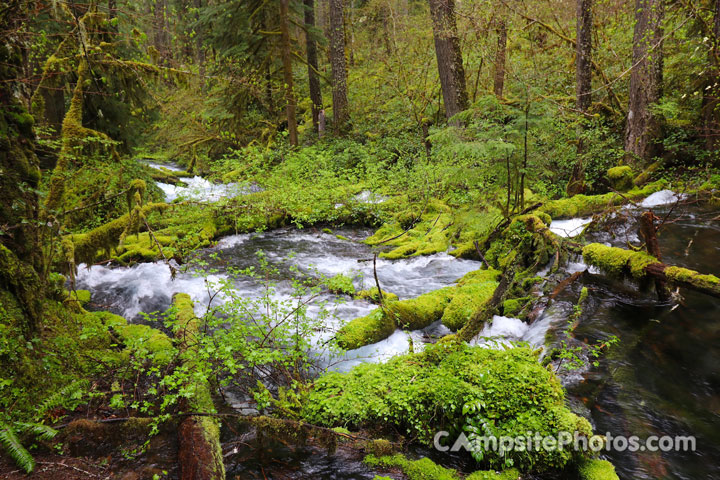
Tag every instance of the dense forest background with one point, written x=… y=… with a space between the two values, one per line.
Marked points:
x=450 y=126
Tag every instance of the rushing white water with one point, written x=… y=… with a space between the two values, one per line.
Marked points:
x=167 y=166
x=366 y=196
x=149 y=287
x=663 y=197
x=569 y=228
x=202 y=190
x=198 y=188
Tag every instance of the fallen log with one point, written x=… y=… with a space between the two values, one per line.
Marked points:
x=199 y=453
x=619 y=263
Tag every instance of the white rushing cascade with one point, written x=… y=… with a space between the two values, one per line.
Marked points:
x=198 y=188
x=569 y=228
x=663 y=197
x=149 y=287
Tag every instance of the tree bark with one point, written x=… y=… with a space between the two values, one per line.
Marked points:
x=643 y=128
x=583 y=86
x=287 y=71
x=648 y=232
x=583 y=59
x=338 y=67
x=312 y=60
x=711 y=95
x=161 y=40
x=112 y=9
x=500 y=53
x=449 y=57
x=199 y=49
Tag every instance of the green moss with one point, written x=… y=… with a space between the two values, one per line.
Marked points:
x=466 y=299
x=621 y=178
x=617 y=262
x=422 y=469
x=684 y=275
x=580 y=205
x=373 y=295
x=453 y=305
x=479 y=276
x=366 y=330
x=511 y=474
x=341 y=284
x=86 y=247
x=513 y=306
x=419 y=394
x=429 y=235
x=80 y=296
x=420 y=312
x=595 y=469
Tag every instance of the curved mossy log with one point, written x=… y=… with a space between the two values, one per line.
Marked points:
x=619 y=263
x=453 y=305
x=200 y=452
x=85 y=247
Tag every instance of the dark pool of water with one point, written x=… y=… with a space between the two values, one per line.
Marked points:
x=663 y=378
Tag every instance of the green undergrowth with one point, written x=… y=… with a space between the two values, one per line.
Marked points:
x=453 y=305
x=453 y=388
x=74 y=345
x=426 y=469
x=341 y=284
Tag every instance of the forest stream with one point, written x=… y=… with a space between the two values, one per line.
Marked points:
x=659 y=378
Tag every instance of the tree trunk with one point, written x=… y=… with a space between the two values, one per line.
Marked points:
x=643 y=128
x=500 y=52
x=449 y=57
x=161 y=39
x=112 y=9
x=20 y=241
x=583 y=87
x=199 y=49
x=583 y=59
x=711 y=95
x=312 y=60
x=337 y=64
x=287 y=71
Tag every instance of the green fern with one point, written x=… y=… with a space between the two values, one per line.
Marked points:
x=72 y=391
x=14 y=448
x=36 y=430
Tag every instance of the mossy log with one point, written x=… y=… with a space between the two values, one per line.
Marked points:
x=619 y=263
x=453 y=305
x=199 y=453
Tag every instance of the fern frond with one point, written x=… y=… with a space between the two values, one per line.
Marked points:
x=14 y=448
x=73 y=391
x=37 y=430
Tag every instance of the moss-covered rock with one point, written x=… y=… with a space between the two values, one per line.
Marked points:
x=596 y=469
x=420 y=394
x=621 y=178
